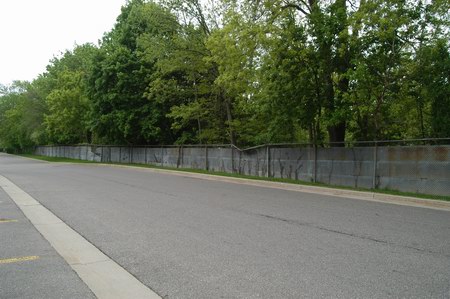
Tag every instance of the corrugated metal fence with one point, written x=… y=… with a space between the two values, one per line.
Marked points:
x=413 y=168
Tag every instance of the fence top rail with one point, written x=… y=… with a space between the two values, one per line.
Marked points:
x=407 y=142
x=141 y=146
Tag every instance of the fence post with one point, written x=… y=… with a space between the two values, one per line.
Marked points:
x=315 y=163
x=130 y=156
x=182 y=157
x=375 y=162
x=145 y=155
x=180 y=148
x=206 y=159
x=232 y=158
x=268 y=160
x=240 y=163
x=162 y=156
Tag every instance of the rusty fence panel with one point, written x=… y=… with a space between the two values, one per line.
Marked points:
x=421 y=166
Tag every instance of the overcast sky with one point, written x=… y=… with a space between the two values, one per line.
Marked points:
x=33 y=31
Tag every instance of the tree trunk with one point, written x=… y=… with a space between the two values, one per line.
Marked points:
x=337 y=133
x=230 y=120
x=342 y=65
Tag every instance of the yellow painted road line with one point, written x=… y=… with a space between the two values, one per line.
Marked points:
x=19 y=259
x=106 y=278
x=7 y=220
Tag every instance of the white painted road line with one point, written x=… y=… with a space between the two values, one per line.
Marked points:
x=103 y=276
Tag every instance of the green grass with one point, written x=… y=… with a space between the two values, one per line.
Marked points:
x=235 y=175
x=54 y=159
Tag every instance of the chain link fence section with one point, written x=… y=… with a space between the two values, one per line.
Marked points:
x=417 y=166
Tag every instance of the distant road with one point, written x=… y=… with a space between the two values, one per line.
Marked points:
x=191 y=238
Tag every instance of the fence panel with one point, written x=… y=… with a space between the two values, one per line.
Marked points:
x=419 y=169
x=295 y=163
x=352 y=167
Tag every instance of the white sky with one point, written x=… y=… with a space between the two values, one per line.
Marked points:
x=34 y=31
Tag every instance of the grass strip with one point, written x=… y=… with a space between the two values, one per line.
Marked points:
x=236 y=175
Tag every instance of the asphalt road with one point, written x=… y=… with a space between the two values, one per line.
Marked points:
x=29 y=266
x=192 y=238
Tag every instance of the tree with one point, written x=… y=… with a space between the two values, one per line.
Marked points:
x=120 y=78
x=205 y=113
x=434 y=77
x=244 y=72
x=387 y=83
x=68 y=118
x=21 y=116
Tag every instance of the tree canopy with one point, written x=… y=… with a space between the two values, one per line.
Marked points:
x=244 y=72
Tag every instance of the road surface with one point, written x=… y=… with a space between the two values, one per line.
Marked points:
x=185 y=237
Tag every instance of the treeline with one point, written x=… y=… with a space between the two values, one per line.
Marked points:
x=244 y=72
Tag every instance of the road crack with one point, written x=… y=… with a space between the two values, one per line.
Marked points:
x=352 y=235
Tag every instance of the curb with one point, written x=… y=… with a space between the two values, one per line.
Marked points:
x=361 y=195
x=329 y=191
x=103 y=276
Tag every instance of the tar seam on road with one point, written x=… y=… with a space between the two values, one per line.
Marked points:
x=103 y=276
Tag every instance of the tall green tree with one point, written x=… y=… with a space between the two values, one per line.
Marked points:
x=68 y=119
x=206 y=114
x=244 y=72
x=120 y=78
x=433 y=75
x=22 y=109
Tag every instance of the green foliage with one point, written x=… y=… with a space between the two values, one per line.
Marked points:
x=21 y=116
x=121 y=76
x=435 y=82
x=244 y=72
x=68 y=118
